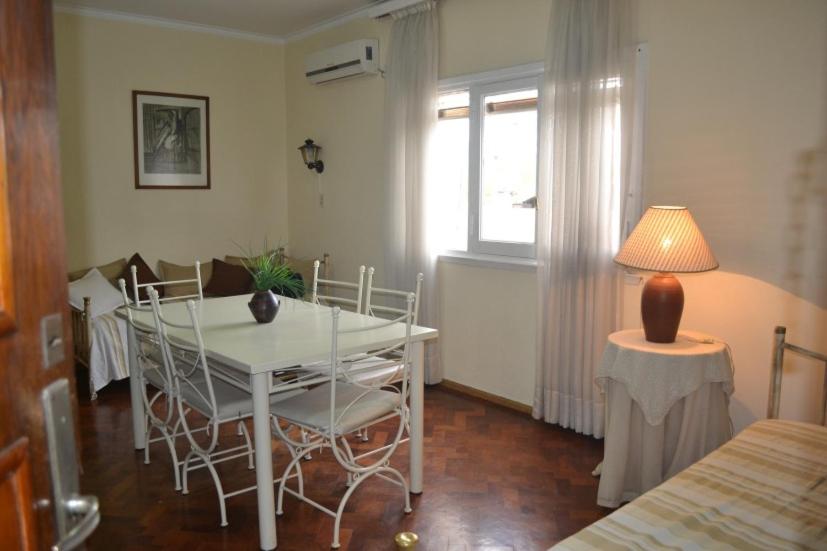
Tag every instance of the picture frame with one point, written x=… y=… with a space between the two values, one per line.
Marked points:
x=171 y=140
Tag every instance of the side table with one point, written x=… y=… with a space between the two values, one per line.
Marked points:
x=667 y=406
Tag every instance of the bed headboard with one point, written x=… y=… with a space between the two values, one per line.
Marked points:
x=779 y=347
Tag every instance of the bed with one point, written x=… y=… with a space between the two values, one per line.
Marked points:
x=765 y=489
x=99 y=345
x=99 y=339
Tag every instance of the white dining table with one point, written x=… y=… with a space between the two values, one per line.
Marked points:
x=299 y=335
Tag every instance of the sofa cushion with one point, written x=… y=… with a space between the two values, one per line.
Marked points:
x=236 y=260
x=228 y=280
x=145 y=275
x=105 y=297
x=176 y=272
x=111 y=271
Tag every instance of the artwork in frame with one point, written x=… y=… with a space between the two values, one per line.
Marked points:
x=171 y=140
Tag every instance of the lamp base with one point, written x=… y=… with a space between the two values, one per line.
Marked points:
x=661 y=306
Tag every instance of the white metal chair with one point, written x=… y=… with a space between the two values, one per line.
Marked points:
x=377 y=297
x=345 y=405
x=332 y=286
x=379 y=303
x=202 y=387
x=136 y=287
x=153 y=372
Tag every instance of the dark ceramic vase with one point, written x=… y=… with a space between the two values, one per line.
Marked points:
x=264 y=305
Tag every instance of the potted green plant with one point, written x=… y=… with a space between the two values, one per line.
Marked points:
x=269 y=273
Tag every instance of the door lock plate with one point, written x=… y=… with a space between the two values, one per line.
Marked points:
x=51 y=340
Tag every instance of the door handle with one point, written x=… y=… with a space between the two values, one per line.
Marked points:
x=76 y=506
x=76 y=516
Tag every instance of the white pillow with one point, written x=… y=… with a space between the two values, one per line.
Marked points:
x=105 y=298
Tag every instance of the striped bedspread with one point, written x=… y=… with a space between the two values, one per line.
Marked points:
x=765 y=489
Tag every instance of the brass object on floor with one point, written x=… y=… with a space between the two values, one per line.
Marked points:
x=406 y=540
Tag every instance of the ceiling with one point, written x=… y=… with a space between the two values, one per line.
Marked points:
x=276 y=18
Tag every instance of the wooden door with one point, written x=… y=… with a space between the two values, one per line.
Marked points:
x=32 y=272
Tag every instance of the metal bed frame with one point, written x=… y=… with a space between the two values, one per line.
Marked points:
x=780 y=345
x=82 y=338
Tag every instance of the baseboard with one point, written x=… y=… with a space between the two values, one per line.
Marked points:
x=487 y=396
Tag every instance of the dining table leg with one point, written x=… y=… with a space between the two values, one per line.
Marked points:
x=264 y=461
x=417 y=419
x=135 y=390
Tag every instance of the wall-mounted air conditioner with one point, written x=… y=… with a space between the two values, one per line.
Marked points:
x=355 y=58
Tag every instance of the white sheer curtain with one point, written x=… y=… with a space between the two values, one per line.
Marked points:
x=586 y=192
x=410 y=117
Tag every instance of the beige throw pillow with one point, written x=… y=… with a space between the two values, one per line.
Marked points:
x=109 y=271
x=175 y=272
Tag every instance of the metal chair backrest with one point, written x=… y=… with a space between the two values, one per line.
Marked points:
x=779 y=346
x=147 y=341
x=375 y=296
x=137 y=287
x=189 y=368
x=332 y=286
x=397 y=354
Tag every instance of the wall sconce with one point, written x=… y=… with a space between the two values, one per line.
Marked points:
x=310 y=155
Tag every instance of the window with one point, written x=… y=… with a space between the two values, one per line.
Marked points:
x=485 y=163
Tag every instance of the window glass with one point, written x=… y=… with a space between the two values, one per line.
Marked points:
x=450 y=171
x=508 y=171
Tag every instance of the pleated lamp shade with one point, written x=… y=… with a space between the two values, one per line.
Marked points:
x=667 y=239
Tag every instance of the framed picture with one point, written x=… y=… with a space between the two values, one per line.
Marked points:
x=172 y=140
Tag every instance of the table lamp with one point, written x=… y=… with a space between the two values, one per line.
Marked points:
x=666 y=240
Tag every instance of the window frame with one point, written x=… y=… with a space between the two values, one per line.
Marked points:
x=479 y=85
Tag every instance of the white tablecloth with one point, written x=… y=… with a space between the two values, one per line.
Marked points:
x=667 y=406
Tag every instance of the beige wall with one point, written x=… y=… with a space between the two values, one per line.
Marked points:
x=737 y=130
x=345 y=118
x=736 y=101
x=99 y=63
x=737 y=106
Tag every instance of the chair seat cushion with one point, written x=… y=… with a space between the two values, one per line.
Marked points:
x=231 y=401
x=312 y=409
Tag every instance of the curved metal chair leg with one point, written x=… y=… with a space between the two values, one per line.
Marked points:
x=287 y=471
x=349 y=492
x=407 y=494
x=307 y=456
x=341 y=509
x=243 y=431
x=185 y=489
x=147 y=434
x=219 y=490
x=170 y=440
x=350 y=457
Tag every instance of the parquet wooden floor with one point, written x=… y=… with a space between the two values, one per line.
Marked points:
x=495 y=480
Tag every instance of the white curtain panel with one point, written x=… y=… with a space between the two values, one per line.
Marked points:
x=410 y=117
x=585 y=195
